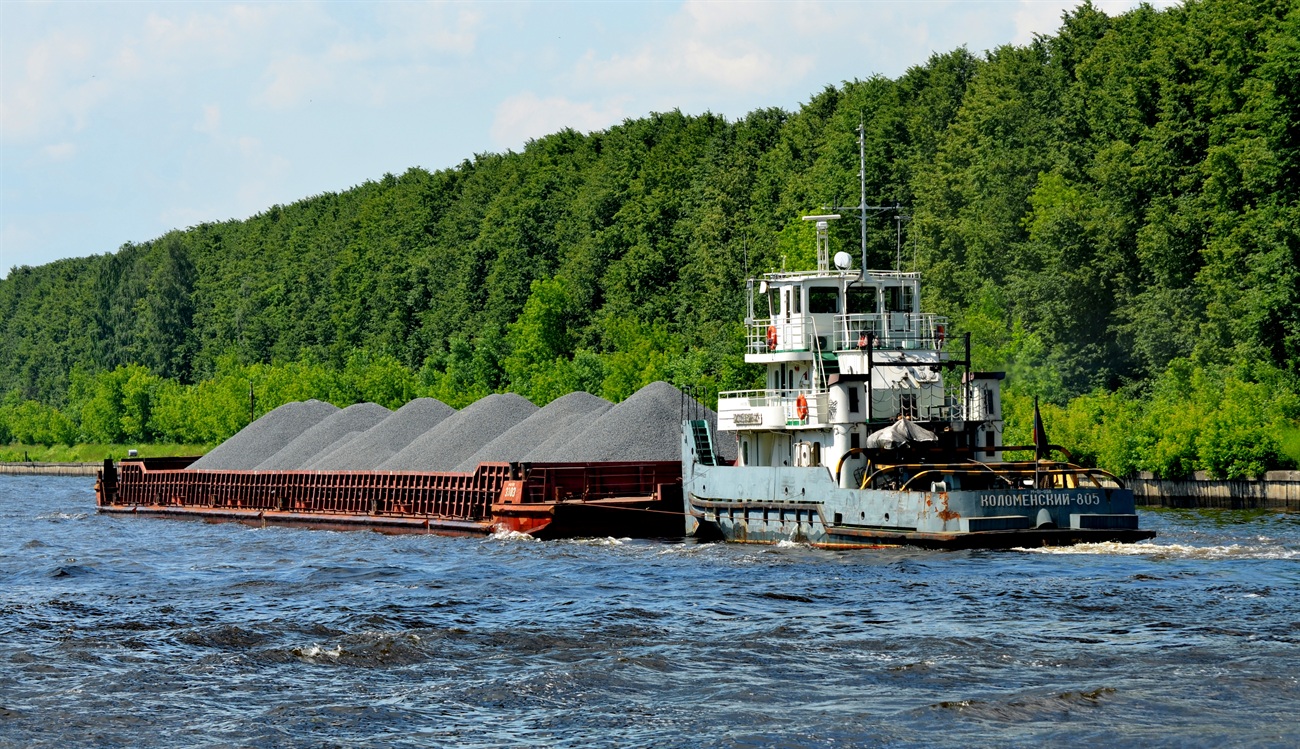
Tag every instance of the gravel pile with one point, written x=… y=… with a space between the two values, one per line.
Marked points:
x=525 y=436
x=448 y=444
x=308 y=445
x=264 y=437
x=315 y=463
x=385 y=439
x=566 y=431
x=646 y=426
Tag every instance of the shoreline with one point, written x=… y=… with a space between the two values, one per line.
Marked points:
x=49 y=469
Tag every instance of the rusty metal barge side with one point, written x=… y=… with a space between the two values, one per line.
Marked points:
x=546 y=500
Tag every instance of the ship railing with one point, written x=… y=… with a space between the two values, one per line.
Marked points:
x=776 y=335
x=776 y=407
x=874 y=275
x=891 y=330
x=1012 y=475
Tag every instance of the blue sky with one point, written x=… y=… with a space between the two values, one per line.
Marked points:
x=120 y=121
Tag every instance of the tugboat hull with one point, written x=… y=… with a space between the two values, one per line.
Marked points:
x=760 y=504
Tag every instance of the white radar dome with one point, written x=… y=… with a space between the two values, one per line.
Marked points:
x=843 y=260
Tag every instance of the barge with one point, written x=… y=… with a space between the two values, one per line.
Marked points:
x=543 y=500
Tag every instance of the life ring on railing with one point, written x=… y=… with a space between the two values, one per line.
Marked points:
x=863 y=342
x=938 y=336
x=771 y=338
x=801 y=407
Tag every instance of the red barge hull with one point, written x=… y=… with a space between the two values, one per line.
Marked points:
x=545 y=500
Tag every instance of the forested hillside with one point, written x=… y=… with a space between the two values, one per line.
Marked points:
x=1113 y=212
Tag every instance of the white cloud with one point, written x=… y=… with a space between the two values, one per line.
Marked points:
x=60 y=151
x=210 y=121
x=1038 y=17
x=294 y=79
x=68 y=74
x=57 y=85
x=743 y=46
x=415 y=29
x=526 y=116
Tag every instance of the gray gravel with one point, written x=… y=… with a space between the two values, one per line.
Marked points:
x=385 y=439
x=252 y=444
x=525 y=436
x=308 y=445
x=311 y=465
x=566 y=430
x=428 y=435
x=646 y=426
x=448 y=444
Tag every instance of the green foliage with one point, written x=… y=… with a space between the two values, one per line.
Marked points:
x=1102 y=209
x=1231 y=422
x=540 y=344
x=20 y=452
x=33 y=423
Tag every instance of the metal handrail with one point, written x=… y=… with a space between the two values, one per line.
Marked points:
x=1008 y=469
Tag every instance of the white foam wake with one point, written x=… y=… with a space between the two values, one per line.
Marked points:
x=1175 y=551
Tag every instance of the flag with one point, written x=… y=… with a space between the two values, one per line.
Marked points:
x=1040 y=434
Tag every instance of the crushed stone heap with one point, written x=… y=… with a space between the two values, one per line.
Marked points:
x=646 y=426
x=522 y=438
x=457 y=437
x=566 y=431
x=306 y=446
x=385 y=439
x=265 y=436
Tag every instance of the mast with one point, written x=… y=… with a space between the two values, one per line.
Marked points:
x=862 y=192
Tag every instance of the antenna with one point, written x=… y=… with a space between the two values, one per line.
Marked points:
x=862 y=208
x=862 y=189
x=898 y=243
x=899 y=220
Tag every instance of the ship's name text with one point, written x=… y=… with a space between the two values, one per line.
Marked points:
x=1038 y=499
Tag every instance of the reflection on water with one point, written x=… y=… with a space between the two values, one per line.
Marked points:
x=119 y=631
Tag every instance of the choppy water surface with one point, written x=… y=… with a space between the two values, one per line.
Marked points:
x=122 y=632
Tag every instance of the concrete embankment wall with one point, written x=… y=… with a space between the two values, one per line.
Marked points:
x=1277 y=490
x=50 y=469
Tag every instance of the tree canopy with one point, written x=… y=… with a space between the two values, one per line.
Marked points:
x=1101 y=208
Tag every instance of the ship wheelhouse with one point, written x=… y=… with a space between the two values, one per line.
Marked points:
x=849 y=353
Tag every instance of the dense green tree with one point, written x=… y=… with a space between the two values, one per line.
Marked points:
x=1101 y=207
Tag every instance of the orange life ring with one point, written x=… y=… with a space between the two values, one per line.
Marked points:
x=939 y=336
x=801 y=407
x=862 y=341
x=771 y=337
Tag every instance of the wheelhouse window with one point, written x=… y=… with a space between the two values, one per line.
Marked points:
x=823 y=300
x=899 y=298
x=862 y=301
x=894 y=301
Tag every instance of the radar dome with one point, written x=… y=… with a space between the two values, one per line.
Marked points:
x=843 y=260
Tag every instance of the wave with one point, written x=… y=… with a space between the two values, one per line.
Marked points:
x=510 y=536
x=1174 y=551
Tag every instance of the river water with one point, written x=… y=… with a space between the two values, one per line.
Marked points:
x=125 y=632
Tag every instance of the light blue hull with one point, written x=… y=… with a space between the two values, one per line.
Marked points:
x=763 y=504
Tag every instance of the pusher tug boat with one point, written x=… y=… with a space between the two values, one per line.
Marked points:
x=859 y=439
